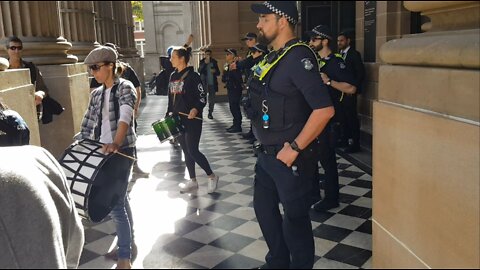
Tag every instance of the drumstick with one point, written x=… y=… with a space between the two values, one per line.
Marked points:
x=127 y=156
x=186 y=114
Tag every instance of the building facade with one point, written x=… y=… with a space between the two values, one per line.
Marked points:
x=167 y=23
x=57 y=36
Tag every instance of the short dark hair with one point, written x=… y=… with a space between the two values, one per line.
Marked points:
x=13 y=39
x=184 y=52
x=208 y=50
x=346 y=34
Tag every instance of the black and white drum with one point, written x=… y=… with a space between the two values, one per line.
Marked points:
x=93 y=179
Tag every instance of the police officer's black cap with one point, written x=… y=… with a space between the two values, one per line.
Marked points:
x=259 y=48
x=231 y=51
x=321 y=31
x=249 y=36
x=287 y=9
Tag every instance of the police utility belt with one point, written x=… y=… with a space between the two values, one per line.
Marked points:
x=269 y=109
x=272 y=150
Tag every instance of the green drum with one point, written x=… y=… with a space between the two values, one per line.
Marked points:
x=168 y=128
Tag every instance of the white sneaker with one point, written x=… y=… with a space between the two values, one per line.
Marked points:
x=188 y=185
x=212 y=184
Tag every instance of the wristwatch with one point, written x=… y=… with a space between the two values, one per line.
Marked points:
x=329 y=82
x=295 y=147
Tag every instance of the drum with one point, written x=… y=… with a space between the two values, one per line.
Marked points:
x=168 y=128
x=93 y=179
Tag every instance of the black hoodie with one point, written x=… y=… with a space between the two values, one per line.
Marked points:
x=186 y=92
x=161 y=82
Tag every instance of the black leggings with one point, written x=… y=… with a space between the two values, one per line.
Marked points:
x=189 y=142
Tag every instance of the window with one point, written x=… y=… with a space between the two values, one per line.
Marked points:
x=140 y=44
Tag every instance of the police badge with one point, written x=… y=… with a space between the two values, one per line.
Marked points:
x=307 y=63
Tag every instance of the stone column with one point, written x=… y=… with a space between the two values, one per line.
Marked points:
x=68 y=84
x=38 y=24
x=104 y=23
x=123 y=21
x=78 y=21
x=124 y=27
x=426 y=130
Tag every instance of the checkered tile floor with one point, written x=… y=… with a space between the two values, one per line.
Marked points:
x=199 y=230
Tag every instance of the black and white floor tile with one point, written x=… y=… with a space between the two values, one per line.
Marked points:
x=219 y=230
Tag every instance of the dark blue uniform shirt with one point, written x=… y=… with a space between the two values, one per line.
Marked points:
x=336 y=70
x=295 y=77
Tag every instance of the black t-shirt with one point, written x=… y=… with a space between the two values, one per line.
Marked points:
x=187 y=93
x=336 y=70
x=295 y=77
x=129 y=74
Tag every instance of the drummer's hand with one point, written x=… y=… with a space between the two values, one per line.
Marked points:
x=110 y=148
x=193 y=113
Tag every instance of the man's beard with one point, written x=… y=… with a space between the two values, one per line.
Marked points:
x=317 y=48
x=263 y=39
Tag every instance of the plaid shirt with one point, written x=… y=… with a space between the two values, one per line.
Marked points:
x=126 y=95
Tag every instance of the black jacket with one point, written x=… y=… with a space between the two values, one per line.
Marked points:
x=161 y=82
x=202 y=69
x=186 y=92
x=354 y=63
x=232 y=79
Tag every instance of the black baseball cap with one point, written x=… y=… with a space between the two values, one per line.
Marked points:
x=231 y=51
x=259 y=47
x=249 y=35
x=287 y=9
x=321 y=30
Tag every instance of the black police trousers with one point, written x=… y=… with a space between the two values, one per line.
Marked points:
x=328 y=160
x=290 y=236
x=349 y=119
x=234 y=98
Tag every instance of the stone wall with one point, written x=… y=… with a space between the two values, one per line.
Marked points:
x=426 y=201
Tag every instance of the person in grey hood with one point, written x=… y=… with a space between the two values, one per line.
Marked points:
x=39 y=225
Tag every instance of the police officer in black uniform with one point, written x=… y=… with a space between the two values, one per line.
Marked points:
x=233 y=82
x=340 y=82
x=291 y=107
x=258 y=52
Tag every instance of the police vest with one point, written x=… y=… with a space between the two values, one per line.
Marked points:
x=323 y=61
x=283 y=111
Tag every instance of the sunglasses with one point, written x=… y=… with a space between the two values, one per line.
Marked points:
x=96 y=67
x=13 y=48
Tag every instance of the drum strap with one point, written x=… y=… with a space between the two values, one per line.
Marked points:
x=115 y=106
